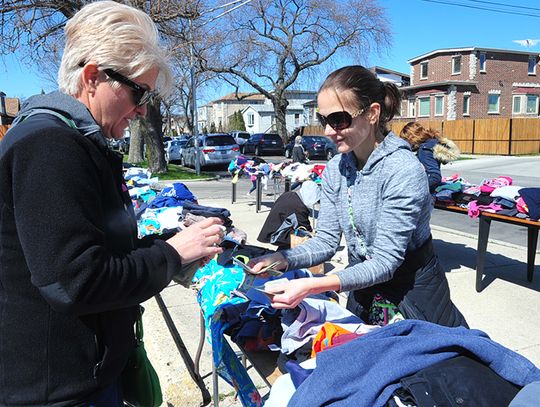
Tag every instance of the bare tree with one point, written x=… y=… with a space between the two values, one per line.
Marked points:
x=272 y=42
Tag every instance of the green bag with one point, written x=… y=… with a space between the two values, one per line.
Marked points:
x=140 y=382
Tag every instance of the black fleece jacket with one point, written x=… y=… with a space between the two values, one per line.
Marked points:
x=72 y=270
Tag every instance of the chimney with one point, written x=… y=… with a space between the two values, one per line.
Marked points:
x=3 y=104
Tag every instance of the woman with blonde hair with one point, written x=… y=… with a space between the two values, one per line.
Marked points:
x=431 y=150
x=72 y=269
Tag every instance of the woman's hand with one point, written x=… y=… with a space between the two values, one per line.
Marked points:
x=199 y=240
x=291 y=293
x=258 y=263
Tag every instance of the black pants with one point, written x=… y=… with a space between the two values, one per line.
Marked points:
x=419 y=289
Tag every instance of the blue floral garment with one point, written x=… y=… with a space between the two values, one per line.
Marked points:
x=217 y=283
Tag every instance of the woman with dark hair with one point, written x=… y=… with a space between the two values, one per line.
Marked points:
x=431 y=150
x=375 y=193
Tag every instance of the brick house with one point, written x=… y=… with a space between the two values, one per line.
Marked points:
x=476 y=83
x=9 y=107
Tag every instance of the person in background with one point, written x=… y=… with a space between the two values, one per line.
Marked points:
x=299 y=154
x=431 y=150
x=72 y=270
x=375 y=193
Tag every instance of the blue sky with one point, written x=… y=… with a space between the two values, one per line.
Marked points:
x=418 y=26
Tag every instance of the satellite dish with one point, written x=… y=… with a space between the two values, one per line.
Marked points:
x=527 y=43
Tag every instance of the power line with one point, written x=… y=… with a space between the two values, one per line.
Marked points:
x=482 y=8
x=504 y=5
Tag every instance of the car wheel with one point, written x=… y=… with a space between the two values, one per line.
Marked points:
x=329 y=154
x=287 y=153
x=257 y=152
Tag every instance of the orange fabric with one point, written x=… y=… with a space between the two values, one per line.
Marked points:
x=326 y=336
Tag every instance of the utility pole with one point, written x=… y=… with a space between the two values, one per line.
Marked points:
x=193 y=78
x=194 y=118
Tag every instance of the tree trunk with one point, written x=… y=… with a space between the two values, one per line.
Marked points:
x=154 y=139
x=136 y=141
x=280 y=108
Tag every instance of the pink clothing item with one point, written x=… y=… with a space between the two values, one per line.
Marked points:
x=521 y=206
x=474 y=209
x=489 y=185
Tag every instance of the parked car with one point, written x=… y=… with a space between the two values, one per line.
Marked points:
x=123 y=145
x=215 y=149
x=315 y=146
x=240 y=137
x=264 y=143
x=330 y=149
x=173 y=149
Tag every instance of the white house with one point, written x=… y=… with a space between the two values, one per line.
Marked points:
x=262 y=118
x=220 y=110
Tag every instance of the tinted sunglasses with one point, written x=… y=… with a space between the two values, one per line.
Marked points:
x=141 y=96
x=338 y=120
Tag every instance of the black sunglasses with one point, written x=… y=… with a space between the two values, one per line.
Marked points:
x=338 y=120
x=141 y=96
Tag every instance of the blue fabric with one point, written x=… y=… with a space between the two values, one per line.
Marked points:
x=432 y=166
x=371 y=366
x=529 y=396
x=173 y=196
x=531 y=196
x=217 y=283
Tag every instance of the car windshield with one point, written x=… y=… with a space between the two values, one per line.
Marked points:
x=220 y=141
x=243 y=135
x=180 y=143
x=273 y=137
x=316 y=139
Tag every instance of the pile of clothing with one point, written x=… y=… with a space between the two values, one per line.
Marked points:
x=494 y=195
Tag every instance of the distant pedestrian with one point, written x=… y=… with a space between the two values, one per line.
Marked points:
x=431 y=150
x=72 y=269
x=299 y=154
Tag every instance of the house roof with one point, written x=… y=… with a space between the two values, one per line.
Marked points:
x=428 y=92
x=240 y=96
x=379 y=69
x=449 y=50
x=436 y=85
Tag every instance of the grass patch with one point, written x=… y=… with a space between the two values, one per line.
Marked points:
x=175 y=172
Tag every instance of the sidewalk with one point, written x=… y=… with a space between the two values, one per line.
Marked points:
x=506 y=309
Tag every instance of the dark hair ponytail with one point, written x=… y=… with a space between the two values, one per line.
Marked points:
x=367 y=89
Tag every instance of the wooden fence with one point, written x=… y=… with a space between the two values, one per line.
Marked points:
x=3 y=129
x=480 y=136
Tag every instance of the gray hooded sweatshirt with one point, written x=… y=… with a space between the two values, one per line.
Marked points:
x=390 y=207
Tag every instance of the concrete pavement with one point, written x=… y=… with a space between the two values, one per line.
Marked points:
x=506 y=309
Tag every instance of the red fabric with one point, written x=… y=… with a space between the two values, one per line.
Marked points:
x=318 y=169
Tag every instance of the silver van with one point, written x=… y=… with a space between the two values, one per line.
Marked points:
x=215 y=149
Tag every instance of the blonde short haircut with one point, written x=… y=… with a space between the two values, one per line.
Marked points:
x=113 y=36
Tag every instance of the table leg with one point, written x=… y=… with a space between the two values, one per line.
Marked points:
x=483 y=235
x=259 y=194
x=532 y=241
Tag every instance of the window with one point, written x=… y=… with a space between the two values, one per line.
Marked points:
x=516 y=109
x=411 y=110
x=493 y=102
x=525 y=104
x=250 y=119
x=466 y=104
x=532 y=104
x=439 y=106
x=296 y=119
x=482 y=62
x=456 y=65
x=532 y=65
x=423 y=70
x=424 y=108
